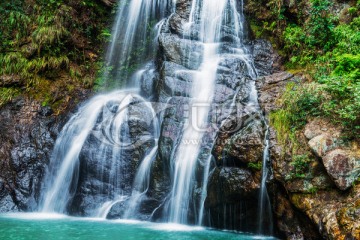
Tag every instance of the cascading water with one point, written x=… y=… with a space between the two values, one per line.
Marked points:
x=210 y=18
x=265 y=213
x=116 y=132
x=106 y=117
x=72 y=138
x=132 y=37
x=141 y=184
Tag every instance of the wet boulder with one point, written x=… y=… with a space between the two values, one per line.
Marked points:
x=175 y=80
x=241 y=140
x=104 y=171
x=28 y=132
x=181 y=51
x=266 y=60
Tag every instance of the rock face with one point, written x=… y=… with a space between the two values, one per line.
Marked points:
x=28 y=132
x=238 y=148
x=318 y=191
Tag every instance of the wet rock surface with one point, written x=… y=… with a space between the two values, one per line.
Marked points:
x=230 y=200
x=291 y=223
x=242 y=146
x=228 y=184
x=28 y=132
x=341 y=159
x=271 y=87
x=104 y=169
x=266 y=60
x=343 y=167
x=181 y=51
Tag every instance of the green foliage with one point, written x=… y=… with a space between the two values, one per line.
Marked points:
x=105 y=35
x=103 y=81
x=352 y=10
x=320 y=26
x=280 y=120
x=301 y=166
x=349 y=65
x=255 y=166
x=303 y=43
x=298 y=103
x=330 y=54
x=7 y=94
x=343 y=87
x=313 y=190
x=347 y=38
x=44 y=43
x=294 y=36
x=334 y=97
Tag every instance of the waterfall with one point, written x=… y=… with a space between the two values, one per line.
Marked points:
x=211 y=17
x=186 y=157
x=106 y=117
x=65 y=155
x=132 y=37
x=141 y=184
x=265 y=212
x=115 y=136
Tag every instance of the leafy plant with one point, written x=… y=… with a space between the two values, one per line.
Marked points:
x=255 y=166
x=7 y=94
x=301 y=165
x=320 y=26
x=294 y=37
x=45 y=45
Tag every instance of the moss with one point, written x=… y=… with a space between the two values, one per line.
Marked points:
x=280 y=121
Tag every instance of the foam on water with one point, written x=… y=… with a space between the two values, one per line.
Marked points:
x=175 y=227
x=35 y=216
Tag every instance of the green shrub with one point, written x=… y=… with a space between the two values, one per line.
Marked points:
x=301 y=165
x=294 y=37
x=348 y=65
x=255 y=166
x=331 y=56
x=320 y=25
